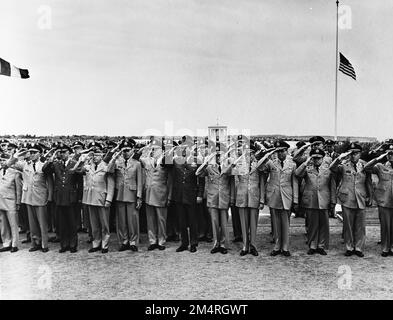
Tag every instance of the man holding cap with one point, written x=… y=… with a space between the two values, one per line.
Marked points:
x=353 y=193
x=65 y=196
x=10 y=200
x=319 y=195
x=129 y=186
x=382 y=166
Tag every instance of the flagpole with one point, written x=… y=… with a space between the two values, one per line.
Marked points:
x=335 y=101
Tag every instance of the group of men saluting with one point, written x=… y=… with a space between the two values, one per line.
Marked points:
x=242 y=175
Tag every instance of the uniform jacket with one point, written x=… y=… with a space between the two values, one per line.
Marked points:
x=35 y=189
x=384 y=189
x=319 y=186
x=10 y=189
x=282 y=189
x=355 y=184
x=186 y=185
x=158 y=182
x=99 y=185
x=128 y=179
x=65 y=181
x=248 y=187
x=219 y=187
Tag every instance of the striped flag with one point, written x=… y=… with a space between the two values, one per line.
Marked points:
x=8 y=69
x=346 y=67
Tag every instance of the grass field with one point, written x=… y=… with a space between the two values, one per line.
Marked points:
x=170 y=275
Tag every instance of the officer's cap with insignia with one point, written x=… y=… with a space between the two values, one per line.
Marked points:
x=329 y=142
x=156 y=143
x=355 y=147
x=127 y=144
x=77 y=144
x=389 y=148
x=95 y=146
x=63 y=147
x=317 y=153
x=12 y=146
x=35 y=147
x=220 y=147
x=281 y=145
x=5 y=156
x=316 y=139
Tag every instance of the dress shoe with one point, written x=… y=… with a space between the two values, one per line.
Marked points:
x=73 y=250
x=275 y=253
x=54 y=239
x=237 y=240
x=379 y=242
x=28 y=240
x=254 y=251
x=223 y=250
x=4 y=249
x=286 y=253
x=35 y=248
x=160 y=247
x=321 y=251
x=311 y=251
x=134 y=248
x=384 y=254
x=104 y=251
x=359 y=253
x=348 y=253
x=94 y=249
x=62 y=250
x=215 y=250
x=152 y=247
x=243 y=252
x=182 y=248
x=390 y=253
x=14 y=249
x=193 y=249
x=123 y=247
x=45 y=249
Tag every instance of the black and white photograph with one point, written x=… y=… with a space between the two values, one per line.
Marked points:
x=214 y=152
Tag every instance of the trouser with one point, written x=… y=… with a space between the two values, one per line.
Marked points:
x=354 y=228
x=187 y=215
x=38 y=225
x=99 y=219
x=272 y=220
x=386 y=219
x=219 y=221
x=281 y=229
x=156 y=224
x=23 y=219
x=142 y=219
x=204 y=220
x=318 y=228
x=77 y=209
x=86 y=219
x=172 y=221
x=249 y=223
x=50 y=216
x=67 y=226
x=9 y=228
x=237 y=229
x=127 y=223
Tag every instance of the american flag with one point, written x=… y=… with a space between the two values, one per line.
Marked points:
x=346 y=67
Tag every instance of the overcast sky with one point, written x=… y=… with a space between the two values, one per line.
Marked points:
x=122 y=67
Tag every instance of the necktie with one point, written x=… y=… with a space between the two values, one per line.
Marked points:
x=125 y=162
x=34 y=166
x=4 y=170
x=96 y=165
x=282 y=164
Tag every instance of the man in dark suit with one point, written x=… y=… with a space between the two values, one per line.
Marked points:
x=65 y=196
x=187 y=192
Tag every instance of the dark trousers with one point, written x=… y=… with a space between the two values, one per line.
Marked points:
x=318 y=228
x=143 y=219
x=77 y=208
x=86 y=220
x=67 y=226
x=204 y=220
x=187 y=218
x=172 y=222
x=23 y=219
x=354 y=228
x=53 y=219
x=237 y=229
x=386 y=219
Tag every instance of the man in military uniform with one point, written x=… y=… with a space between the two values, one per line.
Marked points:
x=129 y=186
x=187 y=191
x=65 y=196
x=382 y=166
x=10 y=200
x=318 y=196
x=354 y=192
x=281 y=193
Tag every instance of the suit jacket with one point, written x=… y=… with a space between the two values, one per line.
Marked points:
x=248 y=187
x=10 y=189
x=65 y=182
x=282 y=189
x=384 y=189
x=186 y=185
x=99 y=185
x=219 y=187
x=128 y=179
x=355 y=184
x=35 y=189
x=158 y=183
x=319 y=186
